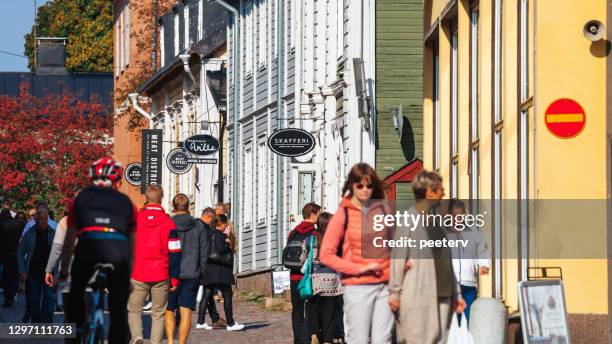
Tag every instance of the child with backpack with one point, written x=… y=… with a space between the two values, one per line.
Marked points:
x=293 y=259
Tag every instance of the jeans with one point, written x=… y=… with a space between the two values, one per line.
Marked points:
x=226 y=290
x=298 y=318
x=41 y=299
x=207 y=303
x=469 y=295
x=10 y=278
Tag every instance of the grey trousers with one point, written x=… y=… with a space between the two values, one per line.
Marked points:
x=368 y=315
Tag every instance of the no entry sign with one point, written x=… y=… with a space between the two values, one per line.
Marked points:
x=565 y=118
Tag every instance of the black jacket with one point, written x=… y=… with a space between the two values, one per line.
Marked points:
x=216 y=273
x=10 y=233
x=194 y=246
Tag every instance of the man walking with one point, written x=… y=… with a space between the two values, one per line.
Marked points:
x=423 y=312
x=32 y=255
x=208 y=217
x=156 y=265
x=296 y=239
x=194 y=256
x=10 y=231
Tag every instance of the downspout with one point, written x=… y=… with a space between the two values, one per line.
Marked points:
x=279 y=123
x=235 y=83
x=185 y=58
x=134 y=101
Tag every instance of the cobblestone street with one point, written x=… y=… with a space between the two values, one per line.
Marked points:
x=261 y=326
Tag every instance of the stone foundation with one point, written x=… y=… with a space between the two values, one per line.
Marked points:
x=260 y=282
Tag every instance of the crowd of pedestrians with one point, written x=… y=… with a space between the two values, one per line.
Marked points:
x=398 y=295
x=342 y=289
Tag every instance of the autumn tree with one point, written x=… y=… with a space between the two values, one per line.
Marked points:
x=47 y=145
x=88 y=25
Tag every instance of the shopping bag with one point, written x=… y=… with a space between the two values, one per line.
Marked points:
x=458 y=333
x=305 y=285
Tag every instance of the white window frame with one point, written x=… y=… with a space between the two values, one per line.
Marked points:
x=262 y=42
x=117 y=45
x=247 y=190
x=293 y=21
x=454 y=115
x=249 y=36
x=497 y=165
x=162 y=46
x=186 y=25
x=200 y=19
x=262 y=180
x=474 y=110
x=126 y=40
x=176 y=34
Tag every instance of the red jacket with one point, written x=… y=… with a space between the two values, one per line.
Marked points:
x=157 y=256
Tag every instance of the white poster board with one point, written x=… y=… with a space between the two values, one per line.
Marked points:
x=280 y=281
x=543 y=312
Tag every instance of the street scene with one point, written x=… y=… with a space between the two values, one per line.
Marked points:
x=305 y=171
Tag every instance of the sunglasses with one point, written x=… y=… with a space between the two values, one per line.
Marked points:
x=361 y=186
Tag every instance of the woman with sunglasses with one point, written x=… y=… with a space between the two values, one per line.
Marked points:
x=348 y=249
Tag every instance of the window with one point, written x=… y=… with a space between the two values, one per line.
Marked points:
x=186 y=28
x=117 y=46
x=262 y=31
x=162 y=46
x=126 y=39
x=497 y=148
x=262 y=180
x=176 y=34
x=474 y=106
x=523 y=153
x=249 y=36
x=340 y=28
x=454 y=116
x=436 y=109
x=200 y=19
x=292 y=21
x=247 y=204
x=305 y=188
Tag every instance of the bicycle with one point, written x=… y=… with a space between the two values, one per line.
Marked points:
x=94 y=304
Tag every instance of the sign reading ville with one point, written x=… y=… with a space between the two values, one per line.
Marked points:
x=291 y=142
x=201 y=145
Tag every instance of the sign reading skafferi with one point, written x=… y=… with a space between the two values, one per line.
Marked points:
x=201 y=145
x=178 y=161
x=291 y=142
x=133 y=173
x=151 y=158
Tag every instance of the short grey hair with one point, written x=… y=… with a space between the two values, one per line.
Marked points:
x=423 y=181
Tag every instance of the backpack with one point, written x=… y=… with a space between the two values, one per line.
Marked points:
x=294 y=254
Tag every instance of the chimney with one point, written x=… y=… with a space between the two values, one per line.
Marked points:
x=51 y=56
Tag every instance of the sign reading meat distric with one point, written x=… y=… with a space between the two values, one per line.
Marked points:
x=152 y=159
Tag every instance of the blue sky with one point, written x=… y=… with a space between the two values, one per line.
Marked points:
x=16 y=18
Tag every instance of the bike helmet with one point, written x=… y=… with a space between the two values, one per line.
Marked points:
x=105 y=172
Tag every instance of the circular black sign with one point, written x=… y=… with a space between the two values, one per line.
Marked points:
x=201 y=145
x=133 y=173
x=291 y=142
x=177 y=161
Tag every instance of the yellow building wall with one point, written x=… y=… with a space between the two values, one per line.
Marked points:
x=569 y=66
x=562 y=64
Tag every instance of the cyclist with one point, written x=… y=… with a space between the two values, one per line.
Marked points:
x=104 y=221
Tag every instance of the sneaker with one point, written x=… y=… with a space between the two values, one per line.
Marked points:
x=235 y=327
x=147 y=307
x=138 y=341
x=204 y=326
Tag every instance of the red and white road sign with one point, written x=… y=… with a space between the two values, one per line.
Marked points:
x=565 y=118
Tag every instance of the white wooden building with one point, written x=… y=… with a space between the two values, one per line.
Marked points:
x=312 y=78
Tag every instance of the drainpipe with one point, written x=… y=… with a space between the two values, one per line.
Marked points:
x=280 y=30
x=134 y=99
x=236 y=79
x=185 y=58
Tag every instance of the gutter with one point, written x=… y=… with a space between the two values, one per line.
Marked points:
x=236 y=80
x=134 y=101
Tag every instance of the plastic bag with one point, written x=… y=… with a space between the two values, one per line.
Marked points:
x=458 y=333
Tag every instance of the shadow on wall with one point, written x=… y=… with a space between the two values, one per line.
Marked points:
x=407 y=140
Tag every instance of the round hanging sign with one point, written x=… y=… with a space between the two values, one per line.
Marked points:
x=178 y=161
x=201 y=145
x=133 y=173
x=291 y=142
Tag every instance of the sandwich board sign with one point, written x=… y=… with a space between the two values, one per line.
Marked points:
x=543 y=312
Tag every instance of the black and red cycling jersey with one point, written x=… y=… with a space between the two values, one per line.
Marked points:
x=98 y=210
